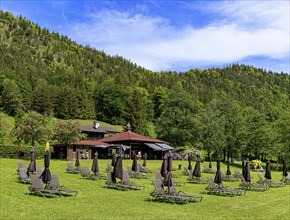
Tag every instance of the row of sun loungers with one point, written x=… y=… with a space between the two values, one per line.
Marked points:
x=53 y=189
x=124 y=184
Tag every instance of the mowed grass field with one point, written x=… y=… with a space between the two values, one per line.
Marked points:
x=95 y=201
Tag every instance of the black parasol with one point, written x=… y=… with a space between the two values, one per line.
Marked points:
x=95 y=166
x=284 y=169
x=168 y=171
x=247 y=172
x=77 y=163
x=189 y=161
x=268 y=175
x=46 y=175
x=118 y=166
x=196 y=171
x=144 y=160
x=134 y=163
x=32 y=165
x=218 y=174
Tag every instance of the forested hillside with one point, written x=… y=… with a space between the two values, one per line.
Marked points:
x=238 y=109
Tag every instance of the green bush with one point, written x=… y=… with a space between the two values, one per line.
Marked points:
x=11 y=152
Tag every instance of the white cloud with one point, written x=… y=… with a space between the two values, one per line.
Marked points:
x=246 y=29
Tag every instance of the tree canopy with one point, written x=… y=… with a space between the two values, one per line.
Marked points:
x=237 y=110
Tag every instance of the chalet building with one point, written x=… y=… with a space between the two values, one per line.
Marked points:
x=93 y=134
x=106 y=140
x=154 y=148
x=97 y=132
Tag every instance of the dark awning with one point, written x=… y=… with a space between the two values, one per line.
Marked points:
x=119 y=146
x=100 y=146
x=165 y=146
x=153 y=146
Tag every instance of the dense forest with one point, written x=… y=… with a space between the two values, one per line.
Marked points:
x=236 y=111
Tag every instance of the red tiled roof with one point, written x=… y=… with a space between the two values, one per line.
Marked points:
x=129 y=136
x=90 y=143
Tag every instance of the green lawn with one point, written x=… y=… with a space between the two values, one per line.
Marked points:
x=94 y=201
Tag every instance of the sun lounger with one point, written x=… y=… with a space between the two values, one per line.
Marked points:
x=119 y=186
x=109 y=168
x=23 y=177
x=194 y=179
x=159 y=194
x=85 y=173
x=36 y=188
x=159 y=176
x=70 y=169
x=285 y=179
x=249 y=186
x=20 y=165
x=238 y=191
x=144 y=169
x=172 y=191
x=54 y=184
x=269 y=182
x=206 y=169
x=213 y=189
x=126 y=181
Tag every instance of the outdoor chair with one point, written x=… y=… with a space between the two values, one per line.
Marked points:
x=159 y=194
x=213 y=189
x=119 y=186
x=230 y=178
x=136 y=174
x=185 y=171
x=36 y=188
x=109 y=168
x=268 y=182
x=139 y=175
x=39 y=171
x=194 y=179
x=54 y=184
x=172 y=191
x=130 y=172
x=143 y=169
x=285 y=179
x=249 y=186
x=70 y=169
x=159 y=176
x=238 y=191
x=206 y=169
x=85 y=173
x=20 y=165
x=23 y=177
x=126 y=181
x=237 y=174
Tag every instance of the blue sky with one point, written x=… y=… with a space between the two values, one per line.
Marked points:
x=171 y=35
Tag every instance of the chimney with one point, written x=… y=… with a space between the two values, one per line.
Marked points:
x=96 y=124
x=128 y=127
